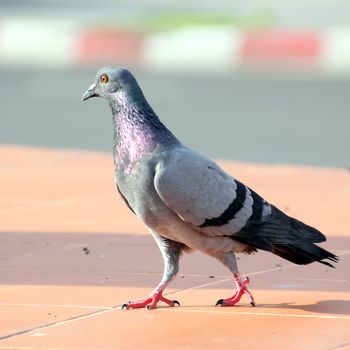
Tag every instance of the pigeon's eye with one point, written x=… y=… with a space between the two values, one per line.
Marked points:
x=104 y=78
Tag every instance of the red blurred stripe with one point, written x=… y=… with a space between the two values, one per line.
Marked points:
x=281 y=47
x=109 y=47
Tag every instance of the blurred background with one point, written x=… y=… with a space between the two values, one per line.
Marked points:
x=245 y=80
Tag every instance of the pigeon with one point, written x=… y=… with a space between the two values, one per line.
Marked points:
x=187 y=201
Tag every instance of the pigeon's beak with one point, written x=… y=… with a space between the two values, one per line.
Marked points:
x=91 y=92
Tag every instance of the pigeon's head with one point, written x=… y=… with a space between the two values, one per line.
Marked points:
x=110 y=80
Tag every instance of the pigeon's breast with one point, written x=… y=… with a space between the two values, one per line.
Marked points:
x=137 y=188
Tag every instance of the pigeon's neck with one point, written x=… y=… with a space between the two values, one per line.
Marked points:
x=137 y=130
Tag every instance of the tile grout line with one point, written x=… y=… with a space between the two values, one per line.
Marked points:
x=96 y=313
x=54 y=324
x=71 y=306
x=105 y=310
x=340 y=346
x=229 y=279
x=248 y=274
x=117 y=273
x=337 y=317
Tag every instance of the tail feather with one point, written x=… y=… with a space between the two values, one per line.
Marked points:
x=286 y=237
x=282 y=228
x=304 y=253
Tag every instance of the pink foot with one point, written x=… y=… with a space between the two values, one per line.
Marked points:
x=150 y=303
x=241 y=289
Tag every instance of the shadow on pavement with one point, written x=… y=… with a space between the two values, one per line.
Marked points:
x=134 y=261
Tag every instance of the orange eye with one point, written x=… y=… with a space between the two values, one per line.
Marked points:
x=104 y=78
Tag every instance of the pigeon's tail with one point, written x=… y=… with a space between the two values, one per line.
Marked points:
x=301 y=249
x=288 y=238
x=304 y=253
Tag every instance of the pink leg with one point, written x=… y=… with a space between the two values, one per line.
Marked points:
x=241 y=289
x=152 y=301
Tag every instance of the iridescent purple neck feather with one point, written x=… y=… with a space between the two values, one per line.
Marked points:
x=137 y=129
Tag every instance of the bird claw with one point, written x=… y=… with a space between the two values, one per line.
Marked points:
x=241 y=289
x=149 y=303
x=219 y=302
x=171 y=303
x=124 y=306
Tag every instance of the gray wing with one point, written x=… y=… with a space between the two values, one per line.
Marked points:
x=202 y=194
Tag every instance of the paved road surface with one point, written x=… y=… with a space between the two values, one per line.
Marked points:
x=301 y=120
